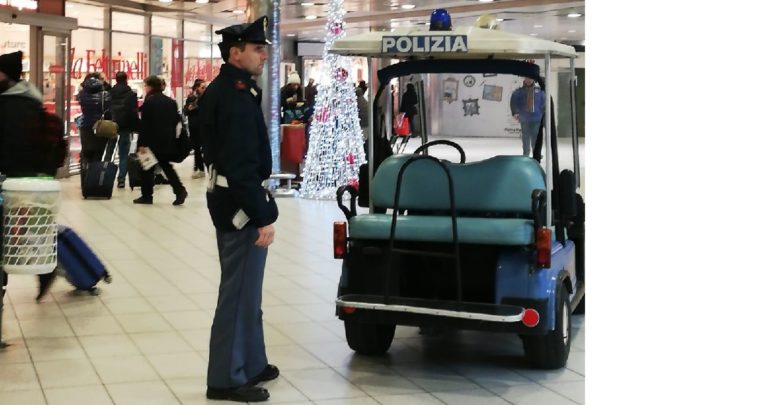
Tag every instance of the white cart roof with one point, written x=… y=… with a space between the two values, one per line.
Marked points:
x=481 y=43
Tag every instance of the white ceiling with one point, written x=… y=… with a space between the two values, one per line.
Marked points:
x=545 y=18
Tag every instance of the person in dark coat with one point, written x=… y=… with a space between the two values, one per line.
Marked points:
x=124 y=111
x=95 y=103
x=192 y=112
x=159 y=118
x=310 y=92
x=238 y=150
x=21 y=109
x=409 y=105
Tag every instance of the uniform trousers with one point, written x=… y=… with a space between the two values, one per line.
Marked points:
x=237 y=346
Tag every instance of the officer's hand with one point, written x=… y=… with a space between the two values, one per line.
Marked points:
x=266 y=236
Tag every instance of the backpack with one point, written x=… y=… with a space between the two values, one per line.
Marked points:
x=51 y=144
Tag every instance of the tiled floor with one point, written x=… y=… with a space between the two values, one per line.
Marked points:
x=144 y=340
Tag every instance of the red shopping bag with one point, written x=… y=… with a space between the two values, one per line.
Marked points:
x=401 y=125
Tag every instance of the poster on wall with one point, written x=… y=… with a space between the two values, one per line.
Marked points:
x=450 y=89
x=492 y=93
x=470 y=107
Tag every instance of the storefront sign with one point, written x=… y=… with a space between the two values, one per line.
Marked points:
x=92 y=62
x=425 y=44
x=56 y=69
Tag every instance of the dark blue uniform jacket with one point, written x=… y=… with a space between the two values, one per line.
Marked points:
x=235 y=143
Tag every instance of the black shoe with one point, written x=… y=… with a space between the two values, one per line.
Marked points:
x=143 y=200
x=269 y=373
x=180 y=197
x=240 y=394
x=45 y=283
x=120 y=184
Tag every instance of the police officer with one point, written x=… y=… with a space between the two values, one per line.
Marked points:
x=238 y=153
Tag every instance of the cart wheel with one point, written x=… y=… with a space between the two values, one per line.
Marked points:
x=369 y=339
x=551 y=351
x=580 y=310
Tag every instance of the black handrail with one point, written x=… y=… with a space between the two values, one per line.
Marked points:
x=425 y=147
x=353 y=194
x=453 y=213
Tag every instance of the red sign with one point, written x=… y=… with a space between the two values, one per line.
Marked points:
x=56 y=69
x=135 y=69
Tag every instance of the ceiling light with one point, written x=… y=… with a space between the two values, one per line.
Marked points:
x=69 y=6
x=408 y=6
x=572 y=31
x=485 y=1
x=238 y=11
x=307 y=4
x=533 y=34
x=500 y=19
x=202 y=1
x=537 y=26
x=574 y=15
x=290 y=35
x=165 y=1
x=311 y=17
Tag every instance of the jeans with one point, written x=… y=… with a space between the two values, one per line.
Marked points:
x=530 y=131
x=124 y=151
x=197 y=148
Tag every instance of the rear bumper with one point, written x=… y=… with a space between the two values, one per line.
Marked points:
x=420 y=312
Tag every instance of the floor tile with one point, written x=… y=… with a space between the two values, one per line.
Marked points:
x=18 y=377
x=160 y=342
x=435 y=378
x=15 y=352
x=45 y=328
x=551 y=376
x=172 y=302
x=85 y=395
x=124 y=370
x=379 y=380
x=147 y=393
x=282 y=391
x=108 y=346
x=573 y=390
x=411 y=399
x=304 y=333
x=66 y=373
x=66 y=348
x=533 y=394
x=477 y=396
x=129 y=305
x=347 y=401
x=323 y=384
x=26 y=397
x=98 y=325
x=141 y=323
x=179 y=365
x=292 y=358
x=186 y=320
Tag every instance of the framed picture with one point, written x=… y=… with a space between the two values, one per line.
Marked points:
x=492 y=93
x=450 y=89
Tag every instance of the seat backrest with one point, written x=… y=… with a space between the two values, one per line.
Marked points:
x=501 y=184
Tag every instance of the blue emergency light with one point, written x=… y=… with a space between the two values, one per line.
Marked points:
x=440 y=20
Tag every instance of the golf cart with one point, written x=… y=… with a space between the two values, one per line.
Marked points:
x=491 y=245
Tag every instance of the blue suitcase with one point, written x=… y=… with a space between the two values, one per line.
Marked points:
x=80 y=264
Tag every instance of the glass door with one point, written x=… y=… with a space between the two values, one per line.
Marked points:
x=56 y=88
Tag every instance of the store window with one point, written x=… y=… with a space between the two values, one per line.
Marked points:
x=165 y=27
x=16 y=37
x=166 y=61
x=88 y=16
x=127 y=22
x=197 y=32
x=130 y=56
x=88 y=54
x=197 y=62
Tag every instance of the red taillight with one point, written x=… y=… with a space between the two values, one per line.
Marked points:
x=530 y=317
x=339 y=239
x=348 y=310
x=543 y=247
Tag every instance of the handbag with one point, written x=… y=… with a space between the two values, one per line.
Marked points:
x=401 y=124
x=103 y=127
x=183 y=145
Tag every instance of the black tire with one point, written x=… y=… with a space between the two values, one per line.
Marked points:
x=580 y=310
x=369 y=339
x=551 y=351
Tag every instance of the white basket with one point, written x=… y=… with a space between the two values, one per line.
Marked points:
x=29 y=225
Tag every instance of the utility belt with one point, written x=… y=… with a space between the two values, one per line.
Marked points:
x=240 y=218
x=216 y=180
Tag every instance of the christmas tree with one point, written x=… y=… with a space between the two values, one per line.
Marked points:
x=335 y=138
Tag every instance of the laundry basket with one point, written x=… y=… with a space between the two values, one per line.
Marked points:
x=29 y=225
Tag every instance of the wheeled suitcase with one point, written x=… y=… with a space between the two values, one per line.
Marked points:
x=79 y=263
x=134 y=171
x=97 y=179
